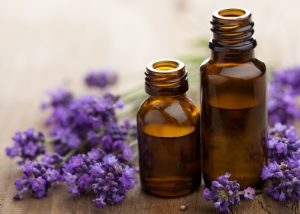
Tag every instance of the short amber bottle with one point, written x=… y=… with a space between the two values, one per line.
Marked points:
x=233 y=102
x=168 y=132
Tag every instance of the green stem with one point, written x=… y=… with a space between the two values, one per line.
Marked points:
x=257 y=192
x=49 y=142
x=135 y=156
x=136 y=96
x=132 y=92
x=133 y=143
x=72 y=152
x=69 y=155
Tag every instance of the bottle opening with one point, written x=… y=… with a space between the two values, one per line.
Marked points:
x=231 y=14
x=166 y=66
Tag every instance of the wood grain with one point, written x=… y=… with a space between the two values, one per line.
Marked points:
x=54 y=42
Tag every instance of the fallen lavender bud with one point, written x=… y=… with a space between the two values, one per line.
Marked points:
x=249 y=193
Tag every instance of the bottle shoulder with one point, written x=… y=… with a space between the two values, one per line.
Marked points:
x=251 y=69
x=176 y=110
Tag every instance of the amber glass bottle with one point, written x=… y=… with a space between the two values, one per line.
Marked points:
x=233 y=101
x=168 y=132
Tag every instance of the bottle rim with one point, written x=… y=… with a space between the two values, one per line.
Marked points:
x=232 y=14
x=173 y=63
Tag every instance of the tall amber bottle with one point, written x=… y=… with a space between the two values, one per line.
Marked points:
x=233 y=101
x=168 y=132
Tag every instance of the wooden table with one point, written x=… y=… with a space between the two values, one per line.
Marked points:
x=54 y=42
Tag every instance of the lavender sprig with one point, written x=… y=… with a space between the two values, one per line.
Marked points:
x=59 y=97
x=88 y=118
x=28 y=145
x=282 y=104
x=283 y=180
x=224 y=193
x=100 y=173
x=100 y=79
x=289 y=79
x=283 y=143
x=86 y=125
x=282 y=173
x=38 y=177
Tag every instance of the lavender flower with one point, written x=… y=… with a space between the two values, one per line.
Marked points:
x=249 y=193
x=88 y=118
x=37 y=179
x=283 y=171
x=58 y=97
x=27 y=145
x=113 y=141
x=87 y=127
x=100 y=79
x=283 y=179
x=283 y=143
x=282 y=106
x=289 y=78
x=224 y=193
x=51 y=159
x=103 y=174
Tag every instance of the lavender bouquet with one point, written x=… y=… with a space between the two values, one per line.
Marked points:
x=92 y=150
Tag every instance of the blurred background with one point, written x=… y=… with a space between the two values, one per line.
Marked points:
x=45 y=43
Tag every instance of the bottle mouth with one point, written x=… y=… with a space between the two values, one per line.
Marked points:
x=165 y=66
x=166 y=76
x=232 y=14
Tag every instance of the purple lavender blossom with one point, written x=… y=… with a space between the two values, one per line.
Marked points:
x=87 y=127
x=283 y=131
x=283 y=179
x=37 y=179
x=283 y=143
x=249 y=193
x=88 y=118
x=51 y=159
x=283 y=171
x=289 y=78
x=223 y=193
x=100 y=173
x=113 y=141
x=27 y=145
x=58 y=97
x=100 y=79
x=282 y=106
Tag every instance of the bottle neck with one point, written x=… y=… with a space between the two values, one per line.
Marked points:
x=236 y=56
x=232 y=36
x=168 y=96
x=166 y=78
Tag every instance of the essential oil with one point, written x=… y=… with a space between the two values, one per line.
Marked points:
x=168 y=132
x=233 y=102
